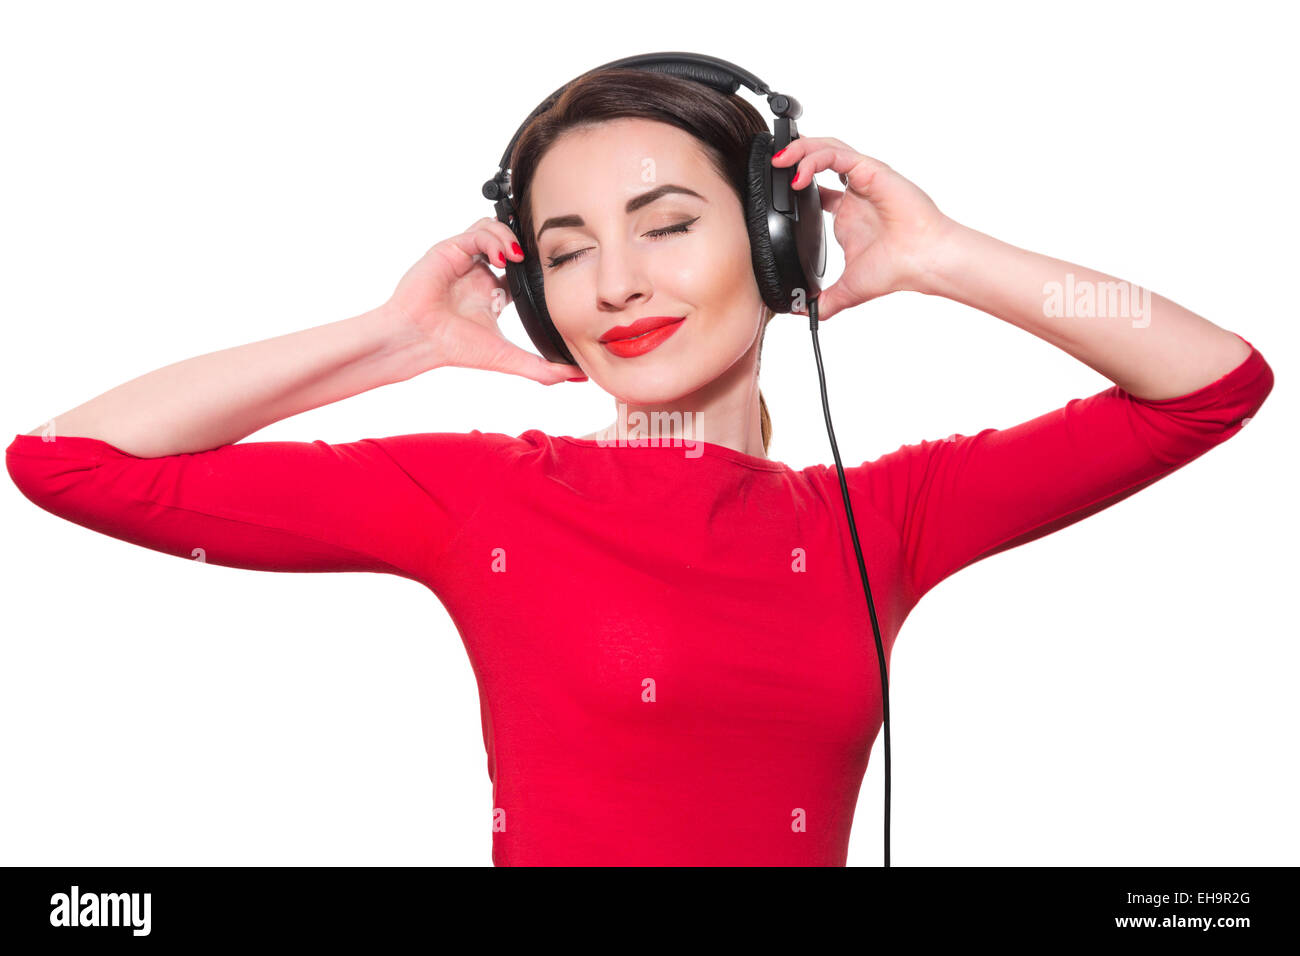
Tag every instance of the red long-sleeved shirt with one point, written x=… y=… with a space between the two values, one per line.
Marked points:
x=673 y=652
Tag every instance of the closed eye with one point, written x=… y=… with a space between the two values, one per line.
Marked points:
x=681 y=227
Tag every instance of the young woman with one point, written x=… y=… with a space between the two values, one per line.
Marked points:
x=674 y=659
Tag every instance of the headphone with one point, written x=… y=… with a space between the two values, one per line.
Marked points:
x=787 y=241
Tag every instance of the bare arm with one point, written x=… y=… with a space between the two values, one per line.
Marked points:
x=1147 y=345
x=221 y=397
x=895 y=239
x=443 y=312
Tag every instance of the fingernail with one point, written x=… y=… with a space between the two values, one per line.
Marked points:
x=580 y=378
x=502 y=258
x=779 y=152
x=515 y=246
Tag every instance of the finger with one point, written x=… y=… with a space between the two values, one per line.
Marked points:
x=827 y=303
x=840 y=144
x=794 y=151
x=857 y=171
x=819 y=158
x=800 y=148
x=830 y=198
x=498 y=245
x=472 y=247
x=821 y=142
x=516 y=361
x=510 y=248
x=786 y=156
x=835 y=298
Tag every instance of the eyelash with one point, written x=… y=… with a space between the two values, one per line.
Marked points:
x=681 y=227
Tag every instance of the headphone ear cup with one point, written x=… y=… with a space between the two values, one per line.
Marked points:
x=757 y=202
x=526 y=288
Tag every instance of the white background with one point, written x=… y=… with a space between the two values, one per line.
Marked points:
x=185 y=178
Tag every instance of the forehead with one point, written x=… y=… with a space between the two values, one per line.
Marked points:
x=617 y=158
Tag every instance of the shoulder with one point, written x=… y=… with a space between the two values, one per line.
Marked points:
x=467 y=454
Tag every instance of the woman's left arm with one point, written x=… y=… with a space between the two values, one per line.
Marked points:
x=1150 y=347
x=1182 y=384
x=895 y=239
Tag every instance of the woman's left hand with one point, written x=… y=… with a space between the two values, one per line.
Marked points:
x=889 y=229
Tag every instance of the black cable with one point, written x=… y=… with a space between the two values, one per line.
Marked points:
x=862 y=567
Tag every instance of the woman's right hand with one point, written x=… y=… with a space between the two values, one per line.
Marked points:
x=453 y=297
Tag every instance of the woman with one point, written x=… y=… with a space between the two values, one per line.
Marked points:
x=674 y=663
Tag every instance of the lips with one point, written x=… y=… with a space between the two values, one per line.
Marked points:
x=640 y=327
x=651 y=334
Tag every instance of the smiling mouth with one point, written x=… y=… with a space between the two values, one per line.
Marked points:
x=660 y=322
x=637 y=345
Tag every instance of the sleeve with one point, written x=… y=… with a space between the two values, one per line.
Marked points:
x=961 y=499
x=388 y=505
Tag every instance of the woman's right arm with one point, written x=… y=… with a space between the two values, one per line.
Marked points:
x=443 y=312
x=157 y=461
x=221 y=397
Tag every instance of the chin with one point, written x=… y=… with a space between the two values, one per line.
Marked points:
x=650 y=396
x=653 y=386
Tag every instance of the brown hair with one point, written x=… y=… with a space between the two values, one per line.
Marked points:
x=724 y=124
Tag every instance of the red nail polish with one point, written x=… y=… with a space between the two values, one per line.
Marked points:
x=580 y=378
x=502 y=258
x=517 y=250
x=779 y=152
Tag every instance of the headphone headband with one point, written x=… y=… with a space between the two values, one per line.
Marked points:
x=723 y=76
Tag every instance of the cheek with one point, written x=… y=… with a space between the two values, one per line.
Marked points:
x=562 y=299
x=717 y=269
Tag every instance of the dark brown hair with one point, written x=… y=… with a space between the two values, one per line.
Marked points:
x=724 y=125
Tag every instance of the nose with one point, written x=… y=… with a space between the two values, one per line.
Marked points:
x=620 y=280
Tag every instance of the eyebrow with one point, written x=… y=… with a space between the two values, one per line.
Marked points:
x=633 y=204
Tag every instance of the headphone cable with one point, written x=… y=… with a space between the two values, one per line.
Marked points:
x=813 y=322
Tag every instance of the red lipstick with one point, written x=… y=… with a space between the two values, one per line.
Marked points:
x=628 y=341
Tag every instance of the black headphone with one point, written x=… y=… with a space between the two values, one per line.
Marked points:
x=787 y=241
x=787 y=236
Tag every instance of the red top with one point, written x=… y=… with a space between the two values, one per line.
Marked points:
x=673 y=652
